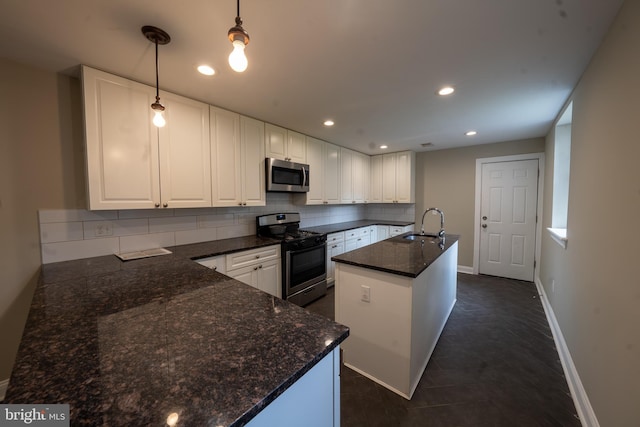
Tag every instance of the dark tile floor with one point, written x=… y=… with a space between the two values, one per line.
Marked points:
x=495 y=365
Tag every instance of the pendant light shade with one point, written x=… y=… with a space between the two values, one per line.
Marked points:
x=239 y=38
x=158 y=37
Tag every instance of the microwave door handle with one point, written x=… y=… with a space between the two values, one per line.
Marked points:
x=304 y=177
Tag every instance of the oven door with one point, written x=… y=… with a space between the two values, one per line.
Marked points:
x=304 y=268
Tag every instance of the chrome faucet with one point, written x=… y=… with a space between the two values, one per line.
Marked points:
x=441 y=232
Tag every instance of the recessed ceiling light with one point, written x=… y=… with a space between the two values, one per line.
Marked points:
x=447 y=90
x=206 y=70
x=329 y=123
x=471 y=133
x=384 y=147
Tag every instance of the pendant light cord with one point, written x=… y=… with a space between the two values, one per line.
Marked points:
x=157 y=78
x=238 y=8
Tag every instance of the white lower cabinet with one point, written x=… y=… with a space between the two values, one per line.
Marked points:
x=216 y=263
x=264 y=276
x=312 y=401
x=382 y=232
x=335 y=247
x=259 y=268
x=397 y=230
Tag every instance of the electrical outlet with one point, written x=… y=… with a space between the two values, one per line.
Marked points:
x=365 y=295
x=103 y=229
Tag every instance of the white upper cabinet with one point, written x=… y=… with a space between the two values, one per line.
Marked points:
x=354 y=174
x=323 y=160
x=237 y=155
x=252 y=158
x=397 y=178
x=185 y=160
x=284 y=144
x=375 y=183
x=226 y=172
x=130 y=163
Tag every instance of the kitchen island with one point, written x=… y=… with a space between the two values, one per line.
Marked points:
x=161 y=339
x=395 y=296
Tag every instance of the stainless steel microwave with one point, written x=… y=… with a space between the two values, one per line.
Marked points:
x=287 y=177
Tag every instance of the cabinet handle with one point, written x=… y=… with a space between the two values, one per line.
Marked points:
x=260 y=266
x=255 y=268
x=157 y=205
x=334 y=246
x=257 y=256
x=353 y=201
x=164 y=205
x=240 y=204
x=325 y=202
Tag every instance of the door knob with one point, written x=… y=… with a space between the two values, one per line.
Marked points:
x=484 y=225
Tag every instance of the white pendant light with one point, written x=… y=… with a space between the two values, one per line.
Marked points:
x=157 y=36
x=239 y=38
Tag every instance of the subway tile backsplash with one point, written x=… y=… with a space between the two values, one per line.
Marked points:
x=68 y=234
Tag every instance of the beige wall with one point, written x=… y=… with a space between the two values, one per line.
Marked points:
x=446 y=179
x=597 y=285
x=41 y=166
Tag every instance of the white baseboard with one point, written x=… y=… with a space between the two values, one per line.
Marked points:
x=464 y=269
x=3 y=388
x=578 y=393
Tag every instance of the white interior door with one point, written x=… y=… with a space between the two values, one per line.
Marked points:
x=509 y=195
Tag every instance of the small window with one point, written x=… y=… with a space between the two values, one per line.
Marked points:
x=561 y=167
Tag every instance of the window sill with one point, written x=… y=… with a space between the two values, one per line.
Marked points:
x=559 y=235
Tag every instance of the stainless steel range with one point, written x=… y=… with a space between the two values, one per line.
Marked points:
x=304 y=257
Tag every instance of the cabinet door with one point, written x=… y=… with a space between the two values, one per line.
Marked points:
x=315 y=159
x=216 y=263
x=357 y=170
x=184 y=151
x=405 y=177
x=275 y=139
x=334 y=249
x=350 y=244
x=383 y=232
x=346 y=175
x=269 y=278
x=389 y=178
x=121 y=142
x=226 y=174
x=373 y=232
x=246 y=275
x=331 y=173
x=375 y=182
x=252 y=159
x=296 y=147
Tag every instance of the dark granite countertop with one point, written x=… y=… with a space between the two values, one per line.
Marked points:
x=398 y=255
x=128 y=343
x=344 y=226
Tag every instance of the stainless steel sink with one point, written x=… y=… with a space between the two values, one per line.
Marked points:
x=419 y=236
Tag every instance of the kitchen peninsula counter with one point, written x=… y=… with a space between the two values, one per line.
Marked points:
x=129 y=343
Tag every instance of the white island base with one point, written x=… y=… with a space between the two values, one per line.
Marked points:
x=393 y=335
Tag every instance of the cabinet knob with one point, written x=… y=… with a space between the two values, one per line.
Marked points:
x=260 y=266
x=164 y=205
x=215 y=268
x=353 y=201
x=240 y=204
x=484 y=225
x=157 y=205
x=255 y=268
x=244 y=204
x=257 y=256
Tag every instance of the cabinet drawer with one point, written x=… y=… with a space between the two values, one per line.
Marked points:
x=335 y=238
x=356 y=232
x=250 y=257
x=216 y=263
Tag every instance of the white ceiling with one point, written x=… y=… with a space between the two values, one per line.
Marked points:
x=373 y=66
